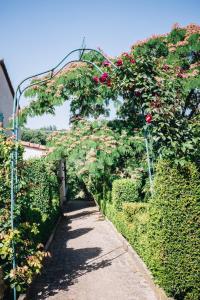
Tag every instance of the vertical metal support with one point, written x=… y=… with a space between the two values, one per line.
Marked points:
x=149 y=165
x=12 y=212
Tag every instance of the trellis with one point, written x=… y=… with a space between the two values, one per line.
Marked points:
x=21 y=88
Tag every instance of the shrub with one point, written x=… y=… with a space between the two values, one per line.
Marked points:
x=132 y=210
x=125 y=190
x=174 y=230
x=36 y=209
x=132 y=223
x=43 y=196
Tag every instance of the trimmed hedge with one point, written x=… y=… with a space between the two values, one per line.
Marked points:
x=132 y=223
x=43 y=196
x=125 y=190
x=166 y=231
x=174 y=230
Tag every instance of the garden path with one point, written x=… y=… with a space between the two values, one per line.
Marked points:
x=89 y=262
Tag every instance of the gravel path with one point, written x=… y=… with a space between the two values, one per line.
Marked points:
x=89 y=262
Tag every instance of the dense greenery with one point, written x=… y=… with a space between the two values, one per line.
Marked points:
x=158 y=78
x=37 y=136
x=97 y=153
x=174 y=230
x=36 y=209
x=125 y=190
x=166 y=231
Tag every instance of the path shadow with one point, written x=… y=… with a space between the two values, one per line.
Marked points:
x=66 y=265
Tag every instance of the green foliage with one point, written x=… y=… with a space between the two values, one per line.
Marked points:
x=42 y=196
x=132 y=223
x=166 y=232
x=36 y=210
x=95 y=155
x=125 y=190
x=37 y=136
x=174 y=230
x=131 y=210
x=156 y=78
x=154 y=47
x=176 y=35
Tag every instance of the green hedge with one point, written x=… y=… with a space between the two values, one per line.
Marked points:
x=166 y=231
x=43 y=196
x=132 y=223
x=36 y=211
x=125 y=190
x=174 y=230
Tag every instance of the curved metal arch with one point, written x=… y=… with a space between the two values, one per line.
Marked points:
x=18 y=93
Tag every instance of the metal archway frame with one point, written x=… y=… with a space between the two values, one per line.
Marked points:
x=21 y=88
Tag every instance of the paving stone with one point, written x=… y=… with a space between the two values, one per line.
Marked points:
x=89 y=262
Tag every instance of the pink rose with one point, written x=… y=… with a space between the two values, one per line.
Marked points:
x=132 y=61
x=125 y=54
x=148 y=118
x=119 y=62
x=96 y=79
x=103 y=78
x=106 y=63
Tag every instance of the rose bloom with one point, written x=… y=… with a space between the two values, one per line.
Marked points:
x=148 y=118
x=96 y=79
x=106 y=63
x=132 y=61
x=126 y=54
x=103 y=77
x=119 y=62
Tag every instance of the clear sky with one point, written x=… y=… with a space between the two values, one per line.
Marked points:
x=36 y=34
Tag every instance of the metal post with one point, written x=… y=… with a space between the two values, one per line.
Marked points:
x=149 y=165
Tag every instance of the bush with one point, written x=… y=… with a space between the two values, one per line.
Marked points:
x=43 y=196
x=174 y=230
x=132 y=223
x=36 y=210
x=132 y=210
x=125 y=190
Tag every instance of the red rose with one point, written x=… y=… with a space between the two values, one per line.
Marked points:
x=96 y=79
x=132 y=61
x=106 y=63
x=148 y=118
x=119 y=62
x=103 y=77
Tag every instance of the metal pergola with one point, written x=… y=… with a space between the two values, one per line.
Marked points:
x=21 y=88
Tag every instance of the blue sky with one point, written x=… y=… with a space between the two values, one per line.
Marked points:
x=36 y=34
